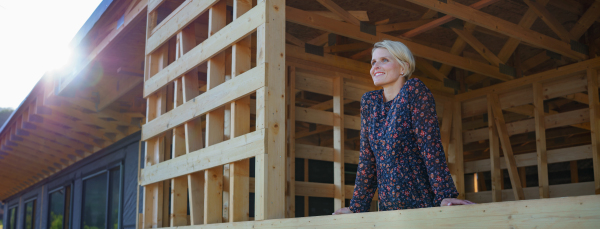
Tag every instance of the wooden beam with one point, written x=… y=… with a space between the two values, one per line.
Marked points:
x=291 y=149
x=336 y=9
x=428 y=69
x=493 y=23
x=479 y=47
x=506 y=147
x=550 y=20
x=592 y=76
x=587 y=19
x=352 y=31
x=338 y=143
x=455 y=156
x=496 y=171
x=445 y=19
x=359 y=15
x=402 y=25
x=540 y=140
x=531 y=193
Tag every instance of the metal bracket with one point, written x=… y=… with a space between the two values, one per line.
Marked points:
x=579 y=47
x=369 y=28
x=507 y=70
x=553 y=55
x=314 y=49
x=332 y=39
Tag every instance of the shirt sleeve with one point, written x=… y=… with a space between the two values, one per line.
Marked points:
x=427 y=131
x=366 y=175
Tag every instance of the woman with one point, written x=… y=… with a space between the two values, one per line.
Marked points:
x=400 y=149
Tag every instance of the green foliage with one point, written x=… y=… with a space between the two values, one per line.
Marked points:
x=56 y=221
x=5 y=112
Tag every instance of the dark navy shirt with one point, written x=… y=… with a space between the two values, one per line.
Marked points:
x=401 y=152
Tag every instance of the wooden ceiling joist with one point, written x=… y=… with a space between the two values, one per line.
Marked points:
x=493 y=23
x=345 y=29
x=550 y=20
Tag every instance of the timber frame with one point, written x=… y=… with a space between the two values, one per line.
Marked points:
x=233 y=85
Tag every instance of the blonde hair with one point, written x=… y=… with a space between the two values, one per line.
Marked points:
x=400 y=52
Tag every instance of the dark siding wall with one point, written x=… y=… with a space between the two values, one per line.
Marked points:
x=124 y=152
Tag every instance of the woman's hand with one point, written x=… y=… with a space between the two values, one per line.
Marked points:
x=453 y=201
x=342 y=211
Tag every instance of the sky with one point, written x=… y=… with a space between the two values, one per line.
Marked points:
x=34 y=38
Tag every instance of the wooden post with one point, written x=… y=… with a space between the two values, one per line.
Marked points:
x=240 y=124
x=496 y=172
x=156 y=106
x=291 y=194
x=540 y=139
x=213 y=177
x=507 y=148
x=270 y=114
x=338 y=143
x=592 y=78
x=446 y=127
x=455 y=157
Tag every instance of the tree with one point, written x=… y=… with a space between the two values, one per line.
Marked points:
x=5 y=112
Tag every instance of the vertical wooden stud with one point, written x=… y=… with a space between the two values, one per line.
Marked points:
x=213 y=177
x=240 y=124
x=338 y=143
x=291 y=157
x=455 y=157
x=270 y=167
x=507 y=148
x=446 y=127
x=496 y=172
x=540 y=140
x=592 y=78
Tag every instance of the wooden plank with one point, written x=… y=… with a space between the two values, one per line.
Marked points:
x=550 y=20
x=445 y=19
x=338 y=143
x=531 y=193
x=568 y=70
x=270 y=167
x=153 y=4
x=315 y=21
x=227 y=92
x=581 y=211
x=235 y=149
x=325 y=118
x=336 y=9
x=592 y=76
x=455 y=156
x=219 y=41
x=313 y=83
x=213 y=177
x=587 y=19
x=506 y=146
x=540 y=140
x=240 y=123
x=402 y=25
x=496 y=172
x=493 y=23
x=446 y=128
x=184 y=15
x=479 y=47
x=360 y=15
x=429 y=70
x=291 y=149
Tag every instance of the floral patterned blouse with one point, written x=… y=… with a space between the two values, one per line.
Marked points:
x=401 y=152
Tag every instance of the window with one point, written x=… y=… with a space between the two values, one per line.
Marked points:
x=102 y=200
x=59 y=212
x=12 y=218
x=29 y=220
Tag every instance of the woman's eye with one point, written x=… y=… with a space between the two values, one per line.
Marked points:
x=384 y=60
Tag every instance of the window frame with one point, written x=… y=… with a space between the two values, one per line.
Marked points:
x=16 y=208
x=34 y=200
x=64 y=199
x=106 y=172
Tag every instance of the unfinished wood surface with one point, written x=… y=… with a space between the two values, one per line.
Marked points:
x=316 y=21
x=479 y=47
x=270 y=114
x=496 y=171
x=493 y=23
x=338 y=143
x=291 y=150
x=531 y=193
x=550 y=20
x=455 y=156
x=540 y=140
x=240 y=123
x=506 y=147
x=336 y=9
x=592 y=76
x=446 y=128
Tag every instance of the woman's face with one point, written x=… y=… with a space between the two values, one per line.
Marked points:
x=384 y=68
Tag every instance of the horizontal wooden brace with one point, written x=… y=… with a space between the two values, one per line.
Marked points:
x=184 y=15
x=524 y=126
x=583 y=211
x=324 y=153
x=325 y=118
x=225 y=93
x=560 y=190
x=529 y=159
x=224 y=38
x=235 y=149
